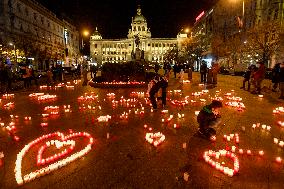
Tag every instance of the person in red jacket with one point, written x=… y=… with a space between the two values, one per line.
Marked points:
x=258 y=77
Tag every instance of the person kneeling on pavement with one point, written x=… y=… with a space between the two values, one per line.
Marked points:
x=209 y=118
x=158 y=83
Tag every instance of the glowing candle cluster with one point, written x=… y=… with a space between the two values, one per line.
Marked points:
x=155 y=138
x=239 y=105
x=138 y=94
x=186 y=81
x=45 y=87
x=8 y=96
x=231 y=137
x=86 y=97
x=9 y=105
x=58 y=144
x=35 y=95
x=234 y=98
x=104 y=118
x=218 y=98
x=280 y=123
x=278 y=110
x=67 y=108
x=222 y=153
x=124 y=115
x=21 y=179
x=111 y=95
x=179 y=102
x=278 y=142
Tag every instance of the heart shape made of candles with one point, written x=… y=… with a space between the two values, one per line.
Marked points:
x=58 y=144
x=20 y=179
x=155 y=138
x=222 y=153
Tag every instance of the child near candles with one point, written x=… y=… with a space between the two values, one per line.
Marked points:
x=208 y=118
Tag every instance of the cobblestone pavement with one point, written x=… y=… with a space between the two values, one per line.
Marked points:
x=121 y=158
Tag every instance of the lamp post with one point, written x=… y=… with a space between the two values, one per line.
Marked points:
x=14 y=46
x=85 y=33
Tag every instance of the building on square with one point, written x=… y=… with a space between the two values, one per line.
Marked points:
x=232 y=21
x=138 y=45
x=31 y=33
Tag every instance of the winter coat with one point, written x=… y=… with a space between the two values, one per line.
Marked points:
x=247 y=75
x=215 y=68
x=281 y=76
x=206 y=117
x=276 y=74
x=203 y=68
x=260 y=73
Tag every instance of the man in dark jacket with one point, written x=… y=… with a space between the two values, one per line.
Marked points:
x=159 y=82
x=208 y=118
x=275 y=77
x=203 y=71
x=247 y=78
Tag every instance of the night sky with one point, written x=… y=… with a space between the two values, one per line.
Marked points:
x=113 y=17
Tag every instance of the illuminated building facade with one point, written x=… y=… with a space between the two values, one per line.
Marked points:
x=38 y=34
x=226 y=20
x=122 y=50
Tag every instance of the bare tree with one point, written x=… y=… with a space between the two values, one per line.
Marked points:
x=264 y=39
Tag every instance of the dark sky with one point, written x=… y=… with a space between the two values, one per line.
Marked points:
x=113 y=17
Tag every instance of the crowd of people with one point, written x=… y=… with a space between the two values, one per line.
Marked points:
x=209 y=75
x=255 y=74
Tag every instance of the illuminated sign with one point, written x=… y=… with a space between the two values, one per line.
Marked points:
x=199 y=16
x=65 y=35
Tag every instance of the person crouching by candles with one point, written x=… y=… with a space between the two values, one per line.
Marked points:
x=158 y=83
x=209 y=118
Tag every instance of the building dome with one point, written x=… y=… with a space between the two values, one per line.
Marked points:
x=96 y=35
x=139 y=17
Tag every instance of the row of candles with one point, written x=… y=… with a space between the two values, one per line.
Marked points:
x=104 y=118
x=123 y=83
x=20 y=179
x=8 y=96
x=263 y=127
x=42 y=96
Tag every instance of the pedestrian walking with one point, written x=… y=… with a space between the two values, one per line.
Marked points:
x=259 y=76
x=49 y=76
x=26 y=76
x=175 y=70
x=215 y=71
x=3 y=78
x=85 y=72
x=203 y=72
x=275 y=77
x=181 y=76
x=281 y=80
x=247 y=76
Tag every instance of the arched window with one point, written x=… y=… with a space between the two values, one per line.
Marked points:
x=139 y=28
x=143 y=28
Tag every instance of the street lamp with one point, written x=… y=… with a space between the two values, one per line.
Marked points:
x=13 y=45
x=85 y=33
